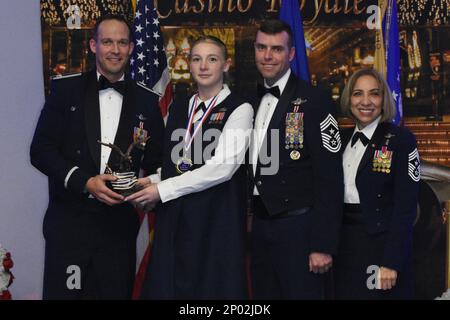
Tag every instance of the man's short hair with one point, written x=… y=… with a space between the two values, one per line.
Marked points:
x=116 y=17
x=275 y=26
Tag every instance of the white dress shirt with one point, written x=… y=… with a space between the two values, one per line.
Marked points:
x=229 y=155
x=262 y=120
x=110 y=102
x=110 y=107
x=350 y=161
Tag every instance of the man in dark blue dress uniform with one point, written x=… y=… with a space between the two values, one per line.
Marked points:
x=90 y=232
x=296 y=174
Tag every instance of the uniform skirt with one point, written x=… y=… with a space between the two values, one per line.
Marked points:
x=359 y=256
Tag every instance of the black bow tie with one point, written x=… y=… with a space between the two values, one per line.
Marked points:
x=104 y=83
x=359 y=135
x=262 y=90
x=201 y=106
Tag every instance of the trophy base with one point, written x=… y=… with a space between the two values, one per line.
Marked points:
x=126 y=183
x=128 y=192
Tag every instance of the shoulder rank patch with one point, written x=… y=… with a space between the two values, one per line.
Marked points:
x=329 y=130
x=142 y=85
x=65 y=76
x=414 y=165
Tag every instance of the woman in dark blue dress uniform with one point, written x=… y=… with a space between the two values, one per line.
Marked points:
x=198 y=250
x=381 y=174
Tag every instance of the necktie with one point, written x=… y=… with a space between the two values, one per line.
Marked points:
x=262 y=90
x=359 y=135
x=201 y=107
x=198 y=113
x=104 y=83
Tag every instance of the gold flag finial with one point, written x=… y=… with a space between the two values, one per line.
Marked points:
x=380 y=53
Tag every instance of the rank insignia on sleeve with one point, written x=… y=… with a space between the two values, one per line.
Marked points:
x=329 y=130
x=414 y=165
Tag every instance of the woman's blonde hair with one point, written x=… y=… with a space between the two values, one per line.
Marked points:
x=213 y=40
x=388 y=104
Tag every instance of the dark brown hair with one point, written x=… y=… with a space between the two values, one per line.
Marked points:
x=275 y=26
x=116 y=17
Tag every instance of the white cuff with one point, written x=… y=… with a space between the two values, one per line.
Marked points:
x=154 y=178
x=164 y=190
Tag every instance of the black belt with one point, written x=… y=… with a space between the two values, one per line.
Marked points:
x=352 y=214
x=261 y=212
x=352 y=207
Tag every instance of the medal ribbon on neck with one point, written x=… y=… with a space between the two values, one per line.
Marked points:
x=188 y=138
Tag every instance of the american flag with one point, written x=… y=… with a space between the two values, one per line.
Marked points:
x=149 y=62
x=149 y=68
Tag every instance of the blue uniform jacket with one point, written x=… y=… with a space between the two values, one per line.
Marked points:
x=67 y=135
x=389 y=199
x=309 y=175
